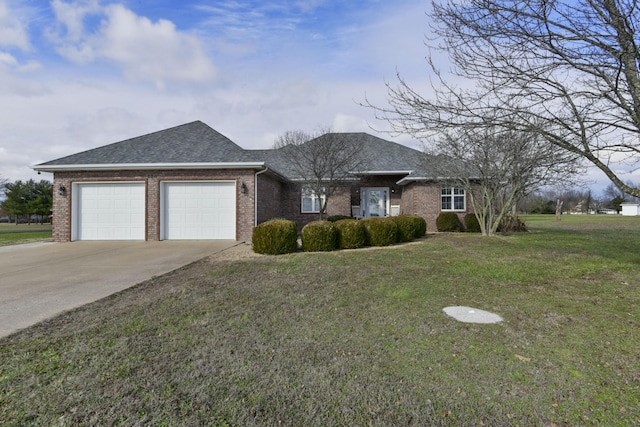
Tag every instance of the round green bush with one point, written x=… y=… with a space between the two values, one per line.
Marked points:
x=380 y=231
x=420 y=226
x=336 y=218
x=351 y=234
x=319 y=236
x=471 y=223
x=277 y=218
x=275 y=237
x=410 y=227
x=448 y=221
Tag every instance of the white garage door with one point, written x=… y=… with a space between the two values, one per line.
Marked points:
x=199 y=210
x=108 y=211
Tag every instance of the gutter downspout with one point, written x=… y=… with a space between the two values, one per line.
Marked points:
x=255 y=195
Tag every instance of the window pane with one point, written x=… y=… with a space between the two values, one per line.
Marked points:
x=458 y=203
x=307 y=204
x=446 y=191
x=446 y=203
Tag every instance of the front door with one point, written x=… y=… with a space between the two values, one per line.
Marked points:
x=374 y=201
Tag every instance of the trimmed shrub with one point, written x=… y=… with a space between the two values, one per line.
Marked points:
x=471 y=223
x=335 y=218
x=511 y=224
x=277 y=218
x=449 y=221
x=409 y=227
x=319 y=236
x=275 y=237
x=420 y=227
x=351 y=234
x=380 y=231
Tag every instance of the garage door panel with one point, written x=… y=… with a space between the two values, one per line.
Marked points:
x=199 y=210
x=210 y=204
x=111 y=211
x=192 y=203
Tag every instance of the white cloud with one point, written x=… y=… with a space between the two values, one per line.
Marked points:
x=146 y=51
x=155 y=51
x=105 y=125
x=350 y=123
x=7 y=59
x=13 y=31
x=11 y=84
x=71 y=16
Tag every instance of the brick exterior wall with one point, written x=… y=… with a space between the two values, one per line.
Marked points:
x=270 y=191
x=62 y=205
x=423 y=199
x=291 y=204
x=274 y=197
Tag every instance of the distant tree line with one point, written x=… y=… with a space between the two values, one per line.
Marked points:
x=27 y=201
x=577 y=200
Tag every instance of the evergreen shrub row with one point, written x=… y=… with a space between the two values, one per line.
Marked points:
x=280 y=236
x=410 y=227
x=449 y=221
x=471 y=223
x=319 y=236
x=352 y=234
x=275 y=237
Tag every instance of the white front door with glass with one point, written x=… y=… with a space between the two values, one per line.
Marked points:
x=374 y=201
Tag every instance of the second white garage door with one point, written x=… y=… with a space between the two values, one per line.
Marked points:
x=199 y=210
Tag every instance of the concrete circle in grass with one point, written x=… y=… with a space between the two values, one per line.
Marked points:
x=472 y=315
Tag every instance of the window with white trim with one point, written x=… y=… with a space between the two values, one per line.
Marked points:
x=453 y=199
x=310 y=201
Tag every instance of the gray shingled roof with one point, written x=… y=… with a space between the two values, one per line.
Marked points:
x=378 y=155
x=440 y=167
x=382 y=155
x=196 y=142
x=193 y=142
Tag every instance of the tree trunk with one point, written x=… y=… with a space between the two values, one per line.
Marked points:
x=559 y=204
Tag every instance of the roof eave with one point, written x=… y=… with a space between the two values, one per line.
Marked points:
x=408 y=179
x=383 y=172
x=147 y=166
x=345 y=179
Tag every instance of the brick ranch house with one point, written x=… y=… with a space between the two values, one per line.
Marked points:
x=191 y=182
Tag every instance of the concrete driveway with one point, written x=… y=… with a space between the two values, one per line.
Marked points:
x=39 y=281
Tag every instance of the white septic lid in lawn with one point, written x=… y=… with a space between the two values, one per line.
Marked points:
x=472 y=315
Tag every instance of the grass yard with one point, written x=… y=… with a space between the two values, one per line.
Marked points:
x=354 y=338
x=12 y=234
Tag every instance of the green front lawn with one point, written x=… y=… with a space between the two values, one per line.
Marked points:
x=12 y=234
x=354 y=338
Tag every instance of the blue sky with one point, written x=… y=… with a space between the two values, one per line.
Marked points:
x=77 y=74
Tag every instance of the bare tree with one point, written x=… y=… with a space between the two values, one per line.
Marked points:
x=567 y=70
x=3 y=182
x=322 y=161
x=497 y=168
x=614 y=197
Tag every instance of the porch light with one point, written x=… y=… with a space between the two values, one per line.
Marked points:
x=62 y=190
x=243 y=188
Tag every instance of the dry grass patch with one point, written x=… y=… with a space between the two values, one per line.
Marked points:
x=350 y=338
